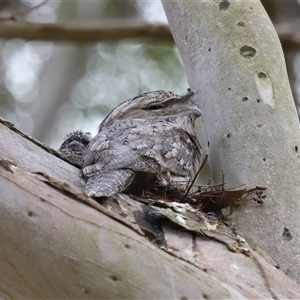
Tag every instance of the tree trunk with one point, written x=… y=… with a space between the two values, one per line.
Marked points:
x=234 y=61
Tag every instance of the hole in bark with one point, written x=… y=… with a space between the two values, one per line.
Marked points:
x=127 y=246
x=262 y=75
x=113 y=278
x=205 y=296
x=296 y=148
x=224 y=5
x=244 y=99
x=287 y=235
x=229 y=89
x=86 y=291
x=242 y=24
x=30 y=213
x=258 y=100
x=264 y=159
x=228 y=135
x=183 y=298
x=209 y=49
x=247 y=51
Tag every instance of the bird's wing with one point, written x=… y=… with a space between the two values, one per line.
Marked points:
x=159 y=147
x=172 y=149
x=109 y=136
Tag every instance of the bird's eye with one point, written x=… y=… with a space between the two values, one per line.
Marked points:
x=155 y=106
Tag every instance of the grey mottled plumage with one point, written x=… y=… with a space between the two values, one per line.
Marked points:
x=151 y=135
x=74 y=146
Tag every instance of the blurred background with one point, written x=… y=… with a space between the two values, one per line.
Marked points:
x=48 y=89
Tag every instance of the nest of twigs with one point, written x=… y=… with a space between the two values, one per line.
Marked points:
x=208 y=198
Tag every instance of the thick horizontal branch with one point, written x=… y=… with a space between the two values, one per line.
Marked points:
x=87 y=32
x=108 y=30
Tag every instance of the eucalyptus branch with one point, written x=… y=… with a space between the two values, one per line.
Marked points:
x=88 y=32
x=109 y=30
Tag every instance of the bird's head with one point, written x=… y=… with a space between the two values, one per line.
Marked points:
x=74 y=146
x=158 y=104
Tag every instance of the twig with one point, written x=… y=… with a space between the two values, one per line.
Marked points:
x=223 y=181
x=194 y=179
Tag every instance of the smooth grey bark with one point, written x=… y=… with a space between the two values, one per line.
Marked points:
x=234 y=62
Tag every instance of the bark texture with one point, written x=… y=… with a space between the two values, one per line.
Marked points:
x=234 y=61
x=54 y=246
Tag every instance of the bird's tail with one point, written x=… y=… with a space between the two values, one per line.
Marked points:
x=108 y=183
